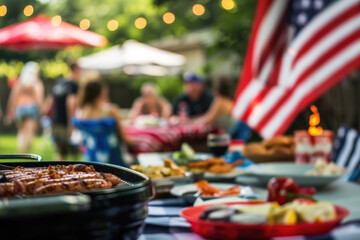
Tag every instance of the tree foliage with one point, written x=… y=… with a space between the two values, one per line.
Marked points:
x=230 y=27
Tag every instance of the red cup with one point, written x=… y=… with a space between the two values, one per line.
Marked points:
x=310 y=148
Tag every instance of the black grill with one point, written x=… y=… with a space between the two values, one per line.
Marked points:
x=115 y=213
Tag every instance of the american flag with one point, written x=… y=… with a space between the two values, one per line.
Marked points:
x=298 y=49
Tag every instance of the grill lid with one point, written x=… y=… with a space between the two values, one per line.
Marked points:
x=44 y=205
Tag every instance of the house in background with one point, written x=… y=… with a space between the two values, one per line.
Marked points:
x=195 y=46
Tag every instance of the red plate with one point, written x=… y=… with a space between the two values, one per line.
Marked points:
x=218 y=230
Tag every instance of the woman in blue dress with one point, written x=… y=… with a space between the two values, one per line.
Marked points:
x=100 y=124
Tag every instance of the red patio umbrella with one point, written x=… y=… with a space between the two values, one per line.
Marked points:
x=40 y=33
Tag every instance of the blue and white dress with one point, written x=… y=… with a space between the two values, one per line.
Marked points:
x=101 y=141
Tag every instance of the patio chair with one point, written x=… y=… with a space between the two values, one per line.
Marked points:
x=346 y=152
x=101 y=141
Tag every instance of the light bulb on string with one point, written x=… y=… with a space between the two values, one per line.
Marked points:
x=140 y=23
x=56 y=20
x=198 y=9
x=227 y=4
x=3 y=10
x=168 y=17
x=112 y=25
x=28 y=10
x=84 y=24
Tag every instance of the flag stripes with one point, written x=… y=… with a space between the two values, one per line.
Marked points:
x=285 y=70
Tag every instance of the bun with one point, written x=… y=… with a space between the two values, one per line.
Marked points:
x=285 y=141
x=255 y=148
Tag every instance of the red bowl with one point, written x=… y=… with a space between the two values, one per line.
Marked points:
x=222 y=230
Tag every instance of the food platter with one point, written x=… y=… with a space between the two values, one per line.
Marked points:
x=222 y=230
x=277 y=149
x=157 y=159
x=264 y=172
x=182 y=190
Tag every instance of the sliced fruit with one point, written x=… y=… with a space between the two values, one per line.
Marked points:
x=248 y=218
x=285 y=215
x=265 y=209
x=188 y=151
x=318 y=212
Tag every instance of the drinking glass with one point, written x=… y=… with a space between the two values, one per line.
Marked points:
x=218 y=144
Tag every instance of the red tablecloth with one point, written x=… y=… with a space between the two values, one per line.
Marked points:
x=157 y=139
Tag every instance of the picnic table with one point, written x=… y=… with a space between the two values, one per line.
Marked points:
x=164 y=222
x=168 y=138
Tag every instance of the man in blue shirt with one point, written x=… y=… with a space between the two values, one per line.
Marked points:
x=196 y=99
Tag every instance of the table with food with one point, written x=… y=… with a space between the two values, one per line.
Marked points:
x=254 y=191
x=232 y=191
x=156 y=135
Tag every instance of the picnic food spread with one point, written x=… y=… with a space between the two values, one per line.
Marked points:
x=271 y=213
x=54 y=179
x=279 y=146
x=169 y=169
x=206 y=190
x=216 y=165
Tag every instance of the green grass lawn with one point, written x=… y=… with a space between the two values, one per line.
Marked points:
x=42 y=146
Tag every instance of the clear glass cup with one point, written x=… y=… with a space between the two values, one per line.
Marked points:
x=218 y=144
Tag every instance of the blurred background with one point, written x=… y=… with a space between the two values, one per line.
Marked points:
x=212 y=35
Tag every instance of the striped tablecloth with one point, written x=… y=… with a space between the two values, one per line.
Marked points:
x=158 y=139
x=164 y=223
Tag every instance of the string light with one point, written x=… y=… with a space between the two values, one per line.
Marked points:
x=28 y=10
x=227 y=4
x=140 y=23
x=56 y=20
x=198 y=9
x=112 y=25
x=84 y=24
x=168 y=17
x=3 y=10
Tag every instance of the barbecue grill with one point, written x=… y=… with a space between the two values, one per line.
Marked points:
x=114 y=213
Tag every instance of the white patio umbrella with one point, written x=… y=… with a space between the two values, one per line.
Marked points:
x=134 y=58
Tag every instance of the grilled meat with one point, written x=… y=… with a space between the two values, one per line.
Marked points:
x=54 y=179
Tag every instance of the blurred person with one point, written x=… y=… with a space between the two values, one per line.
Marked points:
x=150 y=103
x=63 y=100
x=24 y=103
x=101 y=124
x=220 y=109
x=196 y=100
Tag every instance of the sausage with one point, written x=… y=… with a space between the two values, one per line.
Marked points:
x=54 y=179
x=83 y=168
x=86 y=184
x=112 y=178
x=7 y=189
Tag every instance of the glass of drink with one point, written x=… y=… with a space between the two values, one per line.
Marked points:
x=218 y=144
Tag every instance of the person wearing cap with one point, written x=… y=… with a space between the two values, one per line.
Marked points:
x=24 y=103
x=196 y=99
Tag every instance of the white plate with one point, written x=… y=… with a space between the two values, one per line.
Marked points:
x=179 y=191
x=264 y=172
x=224 y=176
